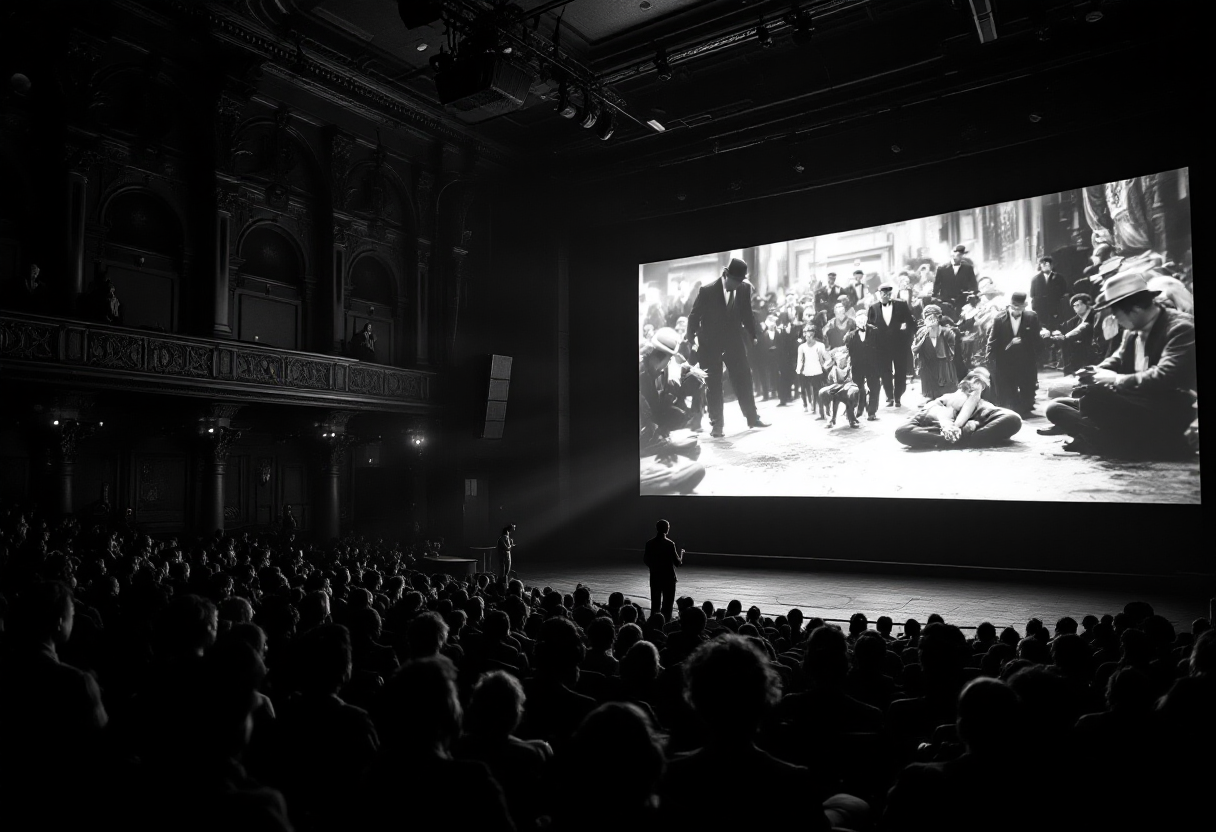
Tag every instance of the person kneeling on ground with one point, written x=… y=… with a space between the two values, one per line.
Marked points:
x=962 y=419
x=840 y=388
x=661 y=415
x=1142 y=398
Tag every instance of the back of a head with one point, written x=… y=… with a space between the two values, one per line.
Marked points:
x=869 y=651
x=627 y=636
x=1066 y=625
x=1203 y=654
x=640 y=664
x=692 y=621
x=419 y=709
x=601 y=634
x=426 y=635
x=730 y=685
x=1130 y=691
x=560 y=646
x=942 y=650
x=218 y=718
x=497 y=625
x=1070 y=653
x=858 y=623
x=39 y=608
x=236 y=610
x=1044 y=695
x=324 y=655
x=188 y=624
x=734 y=607
x=662 y=527
x=826 y=660
x=364 y=623
x=496 y=706
x=618 y=761
x=985 y=632
x=989 y=716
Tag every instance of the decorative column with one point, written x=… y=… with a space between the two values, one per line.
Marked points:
x=221 y=326
x=215 y=464
x=63 y=461
x=79 y=162
x=331 y=452
x=422 y=284
x=338 y=284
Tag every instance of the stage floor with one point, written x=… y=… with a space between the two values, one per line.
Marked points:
x=964 y=601
x=799 y=457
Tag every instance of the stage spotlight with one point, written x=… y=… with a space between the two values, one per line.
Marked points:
x=661 y=67
x=55 y=423
x=607 y=124
x=764 y=36
x=588 y=113
x=563 y=107
x=209 y=430
x=803 y=28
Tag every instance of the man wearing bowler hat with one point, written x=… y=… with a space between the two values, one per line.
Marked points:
x=1141 y=399
x=1013 y=343
x=894 y=327
x=722 y=322
x=955 y=279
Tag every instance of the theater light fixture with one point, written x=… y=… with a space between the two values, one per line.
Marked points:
x=661 y=67
x=588 y=113
x=607 y=124
x=654 y=125
x=804 y=29
x=763 y=35
x=563 y=107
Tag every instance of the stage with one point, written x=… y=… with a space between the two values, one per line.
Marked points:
x=837 y=595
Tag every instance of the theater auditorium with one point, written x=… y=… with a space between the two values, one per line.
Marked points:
x=320 y=507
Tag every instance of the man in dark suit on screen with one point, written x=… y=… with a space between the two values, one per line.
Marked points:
x=955 y=279
x=662 y=557
x=722 y=323
x=1013 y=343
x=894 y=327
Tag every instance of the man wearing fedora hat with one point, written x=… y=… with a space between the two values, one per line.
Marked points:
x=721 y=320
x=1142 y=398
x=954 y=279
x=1013 y=343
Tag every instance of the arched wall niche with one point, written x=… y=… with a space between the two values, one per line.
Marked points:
x=376 y=289
x=269 y=293
x=144 y=252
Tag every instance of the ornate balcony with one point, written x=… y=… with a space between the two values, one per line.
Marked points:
x=87 y=355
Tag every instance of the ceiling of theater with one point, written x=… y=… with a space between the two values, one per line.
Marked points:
x=726 y=89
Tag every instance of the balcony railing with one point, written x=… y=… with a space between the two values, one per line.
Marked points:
x=59 y=350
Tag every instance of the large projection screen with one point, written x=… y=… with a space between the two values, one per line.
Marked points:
x=1037 y=349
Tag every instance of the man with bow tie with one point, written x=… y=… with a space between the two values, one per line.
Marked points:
x=1142 y=399
x=893 y=326
x=723 y=325
x=1013 y=343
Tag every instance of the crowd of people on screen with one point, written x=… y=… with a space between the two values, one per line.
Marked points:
x=254 y=682
x=1121 y=336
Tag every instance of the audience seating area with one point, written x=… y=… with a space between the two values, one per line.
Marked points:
x=243 y=682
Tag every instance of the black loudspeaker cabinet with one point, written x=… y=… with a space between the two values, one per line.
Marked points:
x=496 y=397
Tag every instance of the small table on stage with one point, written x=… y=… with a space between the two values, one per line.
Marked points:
x=456 y=567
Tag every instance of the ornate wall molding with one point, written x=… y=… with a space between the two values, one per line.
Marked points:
x=52 y=349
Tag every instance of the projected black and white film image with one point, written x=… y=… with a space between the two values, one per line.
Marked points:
x=1037 y=349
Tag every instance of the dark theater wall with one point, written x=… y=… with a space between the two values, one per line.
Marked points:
x=1019 y=535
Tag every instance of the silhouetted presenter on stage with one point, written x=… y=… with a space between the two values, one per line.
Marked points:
x=506 y=545
x=662 y=557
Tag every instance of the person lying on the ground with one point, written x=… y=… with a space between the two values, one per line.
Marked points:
x=962 y=418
